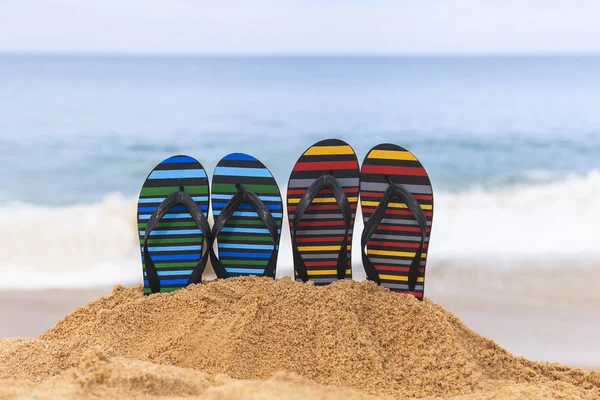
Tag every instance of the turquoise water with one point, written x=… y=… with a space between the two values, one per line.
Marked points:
x=76 y=128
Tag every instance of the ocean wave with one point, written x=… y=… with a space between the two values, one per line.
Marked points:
x=548 y=226
x=83 y=245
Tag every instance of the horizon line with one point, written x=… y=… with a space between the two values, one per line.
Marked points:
x=4 y=53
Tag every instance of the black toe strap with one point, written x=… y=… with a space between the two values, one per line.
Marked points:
x=394 y=190
x=324 y=181
x=177 y=198
x=244 y=195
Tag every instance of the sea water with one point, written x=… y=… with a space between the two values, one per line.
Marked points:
x=512 y=145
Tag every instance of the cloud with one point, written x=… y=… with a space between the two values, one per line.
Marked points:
x=283 y=27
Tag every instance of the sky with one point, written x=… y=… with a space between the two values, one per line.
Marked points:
x=384 y=27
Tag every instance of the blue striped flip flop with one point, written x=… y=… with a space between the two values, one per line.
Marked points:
x=172 y=224
x=248 y=211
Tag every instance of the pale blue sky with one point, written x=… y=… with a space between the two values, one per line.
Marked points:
x=301 y=27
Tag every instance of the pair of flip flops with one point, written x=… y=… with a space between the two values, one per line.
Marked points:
x=322 y=198
x=174 y=228
x=396 y=199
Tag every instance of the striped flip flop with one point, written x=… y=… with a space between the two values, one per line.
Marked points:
x=396 y=198
x=321 y=201
x=247 y=208
x=172 y=224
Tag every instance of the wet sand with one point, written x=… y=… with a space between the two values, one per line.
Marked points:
x=29 y=313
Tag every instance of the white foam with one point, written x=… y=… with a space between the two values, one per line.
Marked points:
x=74 y=246
x=542 y=226
x=537 y=223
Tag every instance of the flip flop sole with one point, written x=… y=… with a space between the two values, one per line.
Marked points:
x=244 y=243
x=175 y=244
x=321 y=231
x=393 y=246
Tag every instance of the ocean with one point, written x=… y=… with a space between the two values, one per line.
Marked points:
x=512 y=145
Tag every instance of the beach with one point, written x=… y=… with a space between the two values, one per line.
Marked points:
x=511 y=146
x=258 y=337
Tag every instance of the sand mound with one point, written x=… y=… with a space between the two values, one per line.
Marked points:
x=349 y=334
x=100 y=377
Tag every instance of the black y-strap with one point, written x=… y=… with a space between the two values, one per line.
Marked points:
x=177 y=198
x=394 y=190
x=324 y=181
x=244 y=195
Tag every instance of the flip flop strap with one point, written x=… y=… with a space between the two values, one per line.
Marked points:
x=244 y=195
x=324 y=181
x=414 y=207
x=177 y=198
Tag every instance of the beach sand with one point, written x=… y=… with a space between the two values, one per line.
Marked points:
x=255 y=338
x=542 y=332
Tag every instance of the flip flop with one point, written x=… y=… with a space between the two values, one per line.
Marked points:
x=396 y=198
x=321 y=201
x=247 y=208
x=172 y=224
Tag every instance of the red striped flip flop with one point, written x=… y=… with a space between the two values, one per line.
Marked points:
x=396 y=198
x=322 y=196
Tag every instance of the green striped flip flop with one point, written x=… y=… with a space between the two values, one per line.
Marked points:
x=247 y=209
x=396 y=199
x=322 y=197
x=172 y=224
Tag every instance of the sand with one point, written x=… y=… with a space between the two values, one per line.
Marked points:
x=534 y=325
x=256 y=338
